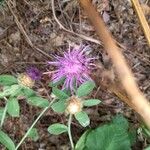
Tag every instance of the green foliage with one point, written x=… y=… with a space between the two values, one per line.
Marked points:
x=59 y=94
x=81 y=142
x=27 y=92
x=12 y=91
x=57 y=128
x=6 y=141
x=33 y=134
x=51 y=84
x=13 y=107
x=1 y=113
x=148 y=148
x=7 y=80
x=91 y=102
x=82 y=118
x=38 y=101
x=85 y=88
x=59 y=106
x=113 y=136
x=1 y=2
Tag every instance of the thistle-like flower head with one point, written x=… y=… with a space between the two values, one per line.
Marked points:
x=34 y=73
x=74 y=66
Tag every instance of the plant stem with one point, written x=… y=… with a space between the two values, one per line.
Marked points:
x=3 y=116
x=46 y=108
x=69 y=131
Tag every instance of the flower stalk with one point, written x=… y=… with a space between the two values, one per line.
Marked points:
x=69 y=131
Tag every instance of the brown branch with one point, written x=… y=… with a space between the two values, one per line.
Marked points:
x=142 y=19
x=138 y=101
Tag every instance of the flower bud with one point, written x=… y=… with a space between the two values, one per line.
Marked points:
x=25 y=80
x=74 y=105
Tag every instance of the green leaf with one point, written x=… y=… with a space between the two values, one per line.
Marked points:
x=147 y=148
x=108 y=137
x=91 y=102
x=33 y=134
x=59 y=106
x=7 y=80
x=85 y=88
x=1 y=112
x=80 y=145
x=6 y=141
x=121 y=121
x=13 y=107
x=82 y=118
x=38 y=101
x=27 y=92
x=57 y=128
x=13 y=90
x=51 y=84
x=60 y=94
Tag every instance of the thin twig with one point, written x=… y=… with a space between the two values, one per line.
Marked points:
x=137 y=101
x=71 y=32
x=142 y=19
x=24 y=33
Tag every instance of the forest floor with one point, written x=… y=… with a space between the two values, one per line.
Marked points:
x=46 y=37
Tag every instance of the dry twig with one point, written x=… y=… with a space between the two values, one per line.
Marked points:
x=142 y=19
x=137 y=100
x=23 y=31
x=71 y=32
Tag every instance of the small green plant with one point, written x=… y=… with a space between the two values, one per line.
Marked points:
x=71 y=88
x=112 y=136
x=12 y=89
x=73 y=106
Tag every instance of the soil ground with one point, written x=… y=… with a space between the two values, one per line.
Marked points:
x=37 y=19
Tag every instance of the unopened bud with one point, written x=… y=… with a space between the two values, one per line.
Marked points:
x=25 y=80
x=74 y=105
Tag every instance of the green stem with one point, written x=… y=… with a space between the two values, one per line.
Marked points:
x=69 y=131
x=3 y=116
x=22 y=140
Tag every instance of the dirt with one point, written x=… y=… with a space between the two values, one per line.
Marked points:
x=37 y=19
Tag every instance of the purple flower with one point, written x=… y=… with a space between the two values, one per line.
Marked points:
x=74 y=66
x=34 y=73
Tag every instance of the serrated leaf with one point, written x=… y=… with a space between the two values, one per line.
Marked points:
x=85 y=88
x=91 y=102
x=59 y=93
x=7 y=80
x=59 y=106
x=80 y=145
x=13 y=107
x=33 y=134
x=82 y=118
x=6 y=141
x=38 y=101
x=57 y=128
